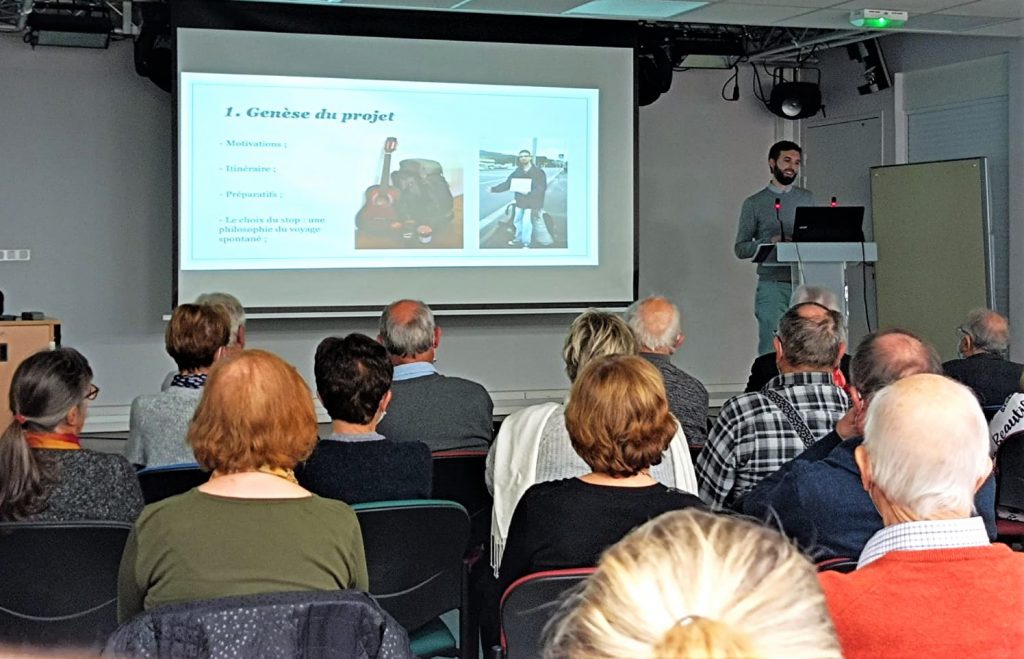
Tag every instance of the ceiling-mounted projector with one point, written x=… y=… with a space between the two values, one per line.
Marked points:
x=878 y=18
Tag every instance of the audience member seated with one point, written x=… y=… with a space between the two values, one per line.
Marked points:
x=764 y=368
x=443 y=412
x=983 y=366
x=533 y=444
x=619 y=423
x=692 y=584
x=47 y=475
x=756 y=433
x=196 y=336
x=236 y=314
x=251 y=528
x=356 y=463
x=817 y=497
x=929 y=584
x=658 y=327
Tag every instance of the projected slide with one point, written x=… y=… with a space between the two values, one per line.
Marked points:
x=299 y=173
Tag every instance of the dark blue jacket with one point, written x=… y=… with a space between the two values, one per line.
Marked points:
x=818 y=500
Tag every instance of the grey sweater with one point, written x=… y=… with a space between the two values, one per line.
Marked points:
x=687 y=397
x=758 y=224
x=158 y=426
x=442 y=412
x=91 y=486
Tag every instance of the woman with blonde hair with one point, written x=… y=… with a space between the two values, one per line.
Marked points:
x=693 y=584
x=619 y=424
x=251 y=528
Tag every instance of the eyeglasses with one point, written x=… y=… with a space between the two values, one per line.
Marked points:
x=961 y=332
x=94 y=391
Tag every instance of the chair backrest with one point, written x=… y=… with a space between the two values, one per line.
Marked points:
x=158 y=483
x=1010 y=472
x=310 y=624
x=837 y=564
x=59 y=582
x=414 y=552
x=528 y=605
x=459 y=477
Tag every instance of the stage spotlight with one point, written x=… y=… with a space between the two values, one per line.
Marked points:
x=794 y=100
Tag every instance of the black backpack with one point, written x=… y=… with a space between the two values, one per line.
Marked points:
x=425 y=196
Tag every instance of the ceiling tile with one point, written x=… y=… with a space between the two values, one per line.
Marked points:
x=1007 y=29
x=825 y=19
x=809 y=4
x=655 y=9
x=402 y=4
x=948 y=23
x=546 y=7
x=742 y=13
x=998 y=8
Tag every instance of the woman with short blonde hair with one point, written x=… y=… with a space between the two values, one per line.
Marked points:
x=693 y=584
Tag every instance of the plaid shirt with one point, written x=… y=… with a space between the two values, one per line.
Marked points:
x=752 y=437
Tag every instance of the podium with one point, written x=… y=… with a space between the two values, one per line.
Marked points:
x=18 y=340
x=818 y=264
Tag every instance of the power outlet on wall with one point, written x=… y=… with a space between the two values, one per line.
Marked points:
x=15 y=254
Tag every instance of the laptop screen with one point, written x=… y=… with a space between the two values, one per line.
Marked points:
x=829 y=224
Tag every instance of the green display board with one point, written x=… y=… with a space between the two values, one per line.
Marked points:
x=934 y=246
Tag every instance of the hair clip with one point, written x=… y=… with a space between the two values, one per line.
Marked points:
x=20 y=418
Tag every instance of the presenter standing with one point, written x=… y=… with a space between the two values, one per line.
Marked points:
x=767 y=217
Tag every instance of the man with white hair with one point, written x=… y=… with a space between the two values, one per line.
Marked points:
x=929 y=584
x=658 y=328
x=983 y=366
x=442 y=412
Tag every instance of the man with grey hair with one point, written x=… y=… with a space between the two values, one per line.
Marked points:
x=764 y=369
x=758 y=432
x=658 y=328
x=983 y=366
x=235 y=312
x=929 y=583
x=817 y=497
x=442 y=412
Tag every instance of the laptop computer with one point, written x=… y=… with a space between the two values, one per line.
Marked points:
x=829 y=224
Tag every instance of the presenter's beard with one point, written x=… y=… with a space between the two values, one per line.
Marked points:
x=783 y=177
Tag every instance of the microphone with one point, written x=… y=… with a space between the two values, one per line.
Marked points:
x=833 y=203
x=782 y=229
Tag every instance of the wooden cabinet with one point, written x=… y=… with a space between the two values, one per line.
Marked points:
x=18 y=340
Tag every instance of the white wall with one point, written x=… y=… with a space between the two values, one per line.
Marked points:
x=86 y=184
x=916 y=52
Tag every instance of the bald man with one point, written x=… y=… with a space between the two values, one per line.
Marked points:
x=756 y=433
x=929 y=584
x=984 y=343
x=657 y=324
x=817 y=497
x=441 y=411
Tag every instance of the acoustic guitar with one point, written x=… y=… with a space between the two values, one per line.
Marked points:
x=378 y=212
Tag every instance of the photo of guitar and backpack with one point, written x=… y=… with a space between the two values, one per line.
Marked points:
x=409 y=207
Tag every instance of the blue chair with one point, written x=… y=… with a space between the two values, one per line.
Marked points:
x=158 y=483
x=414 y=556
x=59 y=582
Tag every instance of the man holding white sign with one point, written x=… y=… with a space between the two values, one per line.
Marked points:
x=529 y=183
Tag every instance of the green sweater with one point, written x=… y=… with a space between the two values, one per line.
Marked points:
x=758 y=224
x=200 y=546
